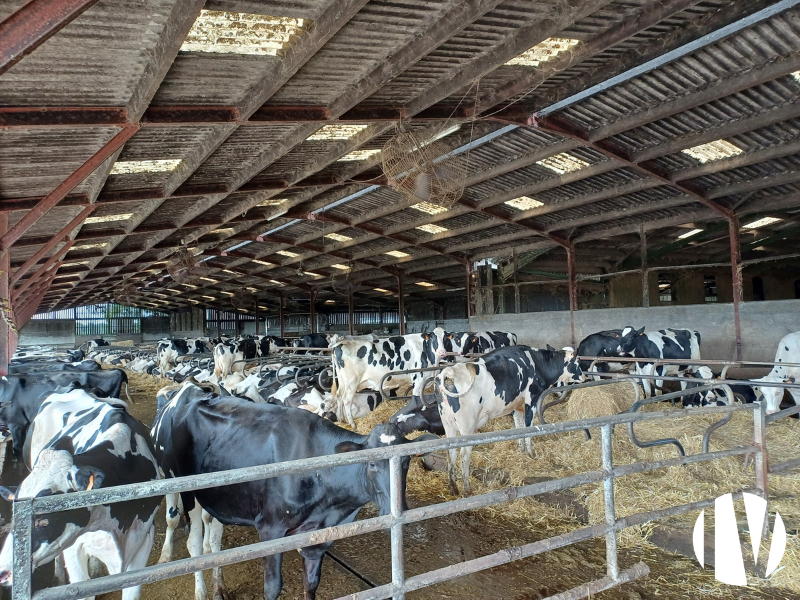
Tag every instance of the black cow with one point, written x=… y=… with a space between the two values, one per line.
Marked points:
x=203 y=433
x=742 y=392
x=21 y=395
x=312 y=340
x=602 y=343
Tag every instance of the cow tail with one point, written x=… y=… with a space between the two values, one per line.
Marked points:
x=127 y=395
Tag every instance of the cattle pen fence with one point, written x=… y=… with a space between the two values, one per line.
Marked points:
x=25 y=510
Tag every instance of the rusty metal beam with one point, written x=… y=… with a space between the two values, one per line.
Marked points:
x=42 y=270
x=5 y=300
x=50 y=116
x=33 y=24
x=26 y=222
x=54 y=241
x=736 y=268
x=573 y=291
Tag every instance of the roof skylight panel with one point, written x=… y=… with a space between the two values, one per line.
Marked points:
x=429 y=208
x=128 y=167
x=243 y=33
x=336 y=237
x=713 y=151
x=359 y=155
x=108 y=218
x=761 y=223
x=524 y=203
x=563 y=163
x=543 y=52
x=336 y=132
x=431 y=228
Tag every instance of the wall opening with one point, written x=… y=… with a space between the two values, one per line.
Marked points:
x=758 y=289
x=710 y=288
x=666 y=291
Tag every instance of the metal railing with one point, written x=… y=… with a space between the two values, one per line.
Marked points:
x=25 y=510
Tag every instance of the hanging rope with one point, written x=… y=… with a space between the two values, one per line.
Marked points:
x=7 y=314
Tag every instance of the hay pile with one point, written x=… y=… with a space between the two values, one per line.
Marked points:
x=586 y=403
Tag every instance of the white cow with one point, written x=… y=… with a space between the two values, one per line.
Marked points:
x=788 y=352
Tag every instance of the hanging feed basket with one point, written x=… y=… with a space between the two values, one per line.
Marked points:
x=184 y=267
x=126 y=294
x=423 y=169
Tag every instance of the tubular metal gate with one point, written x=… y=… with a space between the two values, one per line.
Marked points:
x=25 y=509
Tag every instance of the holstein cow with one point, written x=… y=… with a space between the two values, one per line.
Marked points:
x=420 y=414
x=788 y=352
x=169 y=350
x=742 y=392
x=360 y=365
x=96 y=343
x=602 y=343
x=671 y=344
x=22 y=395
x=485 y=341
x=77 y=443
x=47 y=367
x=508 y=380
x=227 y=353
x=202 y=433
x=312 y=340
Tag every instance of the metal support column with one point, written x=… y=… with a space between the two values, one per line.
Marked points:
x=469 y=295
x=736 y=268
x=5 y=299
x=645 y=276
x=236 y=322
x=219 y=324
x=401 y=304
x=396 y=499
x=350 y=311
x=612 y=565
x=257 y=315
x=516 y=284
x=312 y=311
x=280 y=316
x=573 y=291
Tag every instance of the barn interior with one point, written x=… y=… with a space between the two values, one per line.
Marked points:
x=184 y=168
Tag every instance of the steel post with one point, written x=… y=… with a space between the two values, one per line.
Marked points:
x=43 y=269
x=760 y=442
x=5 y=299
x=54 y=197
x=516 y=284
x=23 y=529
x=312 y=311
x=645 y=275
x=219 y=324
x=573 y=291
x=257 y=315
x=396 y=499
x=736 y=268
x=607 y=433
x=401 y=305
x=280 y=316
x=350 y=311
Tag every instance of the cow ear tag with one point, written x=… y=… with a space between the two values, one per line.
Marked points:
x=91 y=483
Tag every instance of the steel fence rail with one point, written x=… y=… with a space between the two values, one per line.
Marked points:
x=25 y=509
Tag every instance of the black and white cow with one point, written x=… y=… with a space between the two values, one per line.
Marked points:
x=360 y=365
x=788 y=352
x=169 y=350
x=226 y=354
x=77 y=443
x=420 y=414
x=508 y=380
x=602 y=343
x=197 y=434
x=742 y=392
x=22 y=395
x=96 y=343
x=671 y=344
x=485 y=341
x=312 y=340
x=269 y=344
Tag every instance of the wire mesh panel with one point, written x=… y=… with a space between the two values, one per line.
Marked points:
x=103 y=319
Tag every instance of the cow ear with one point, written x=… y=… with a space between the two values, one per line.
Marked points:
x=88 y=478
x=8 y=493
x=473 y=369
x=549 y=347
x=347 y=446
x=640 y=331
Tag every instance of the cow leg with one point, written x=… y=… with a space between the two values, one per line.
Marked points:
x=451 y=431
x=312 y=557
x=273 y=579
x=60 y=570
x=139 y=561
x=519 y=421
x=466 y=457
x=173 y=519
x=215 y=529
x=528 y=421
x=195 y=547
x=76 y=563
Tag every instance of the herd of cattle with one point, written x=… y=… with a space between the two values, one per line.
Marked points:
x=67 y=423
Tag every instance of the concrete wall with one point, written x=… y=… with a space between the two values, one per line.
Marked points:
x=763 y=325
x=51 y=332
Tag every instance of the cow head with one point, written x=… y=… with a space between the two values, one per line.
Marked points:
x=772 y=395
x=56 y=471
x=572 y=372
x=418 y=416
x=440 y=343
x=704 y=398
x=628 y=340
x=472 y=345
x=377 y=472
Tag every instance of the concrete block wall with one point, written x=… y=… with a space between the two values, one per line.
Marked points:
x=763 y=325
x=51 y=332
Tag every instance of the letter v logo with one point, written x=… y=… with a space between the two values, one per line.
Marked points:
x=728 y=560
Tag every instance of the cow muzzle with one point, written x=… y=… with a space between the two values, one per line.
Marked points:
x=5 y=577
